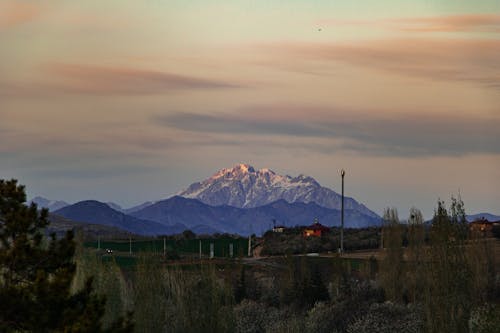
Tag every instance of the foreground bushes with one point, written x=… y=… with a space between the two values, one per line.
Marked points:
x=447 y=283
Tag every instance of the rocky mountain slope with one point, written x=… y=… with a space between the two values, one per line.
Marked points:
x=245 y=187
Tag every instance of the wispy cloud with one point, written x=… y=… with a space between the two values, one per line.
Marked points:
x=61 y=78
x=88 y=79
x=436 y=59
x=13 y=13
x=415 y=134
x=455 y=23
x=446 y=23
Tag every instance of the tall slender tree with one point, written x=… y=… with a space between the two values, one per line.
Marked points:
x=392 y=265
x=416 y=256
x=448 y=297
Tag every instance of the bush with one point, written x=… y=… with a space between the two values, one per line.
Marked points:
x=320 y=318
x=253 y=317
x=485 y=319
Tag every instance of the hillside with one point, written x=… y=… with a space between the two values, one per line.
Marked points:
x=96 y=212
x=193 y=213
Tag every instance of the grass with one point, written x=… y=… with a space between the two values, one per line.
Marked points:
x=185 y=246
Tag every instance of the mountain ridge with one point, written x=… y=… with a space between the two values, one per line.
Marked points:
x=93 y=211
x=245 y=187
x=51 y=205
x=244 y=221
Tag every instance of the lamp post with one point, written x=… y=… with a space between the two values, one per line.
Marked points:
x=342 y=173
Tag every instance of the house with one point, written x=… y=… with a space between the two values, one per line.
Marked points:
x=483 y=227
x=279 y=229
x=315 y=230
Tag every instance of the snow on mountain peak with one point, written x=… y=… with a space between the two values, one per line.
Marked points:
x=239 y=169
x=242 y=186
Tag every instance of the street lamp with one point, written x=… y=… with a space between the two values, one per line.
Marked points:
x=342 y=173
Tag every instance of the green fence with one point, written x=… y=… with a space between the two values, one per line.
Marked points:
x=221 y=246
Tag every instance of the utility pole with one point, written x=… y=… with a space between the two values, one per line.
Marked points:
x=342 y=173
x=250 y=245
x=164 y=247
x=200 y=248
x=98 y=242
x=130 y=245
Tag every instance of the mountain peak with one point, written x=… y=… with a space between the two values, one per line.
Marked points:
x=51 y=205
x=244 y=167
x=244 y=187
x=237 y=170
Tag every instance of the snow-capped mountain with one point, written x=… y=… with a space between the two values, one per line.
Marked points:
x=245 y=187
x=51 y=205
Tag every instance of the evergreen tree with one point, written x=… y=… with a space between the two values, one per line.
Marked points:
x=36 y=274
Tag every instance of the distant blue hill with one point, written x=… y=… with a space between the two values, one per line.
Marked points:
x=487 y=216
x=51 y=205
x=193 y=213
x=177 y=214
x=91 y=211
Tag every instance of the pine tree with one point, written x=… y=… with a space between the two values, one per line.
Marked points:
x=36 y=274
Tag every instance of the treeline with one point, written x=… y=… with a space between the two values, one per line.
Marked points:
x=446 y=280
x=449 y=283
x=452 y=277
x=292 y=241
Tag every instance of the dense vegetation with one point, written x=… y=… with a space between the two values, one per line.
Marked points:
x=292 y=241
x=36 y=275
x=436 y=279
x=443 y=279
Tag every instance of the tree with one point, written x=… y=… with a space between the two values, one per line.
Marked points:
x=391 y=267
x=36 y=274
x=448 y=298
x=415 y=251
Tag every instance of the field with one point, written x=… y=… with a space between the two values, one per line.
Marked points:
x=174 y=248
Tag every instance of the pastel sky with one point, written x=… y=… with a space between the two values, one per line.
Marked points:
x=132 y=101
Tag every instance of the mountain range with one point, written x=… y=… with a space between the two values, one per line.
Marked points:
x=177 y=214
x=239 y=200
x=92 y=211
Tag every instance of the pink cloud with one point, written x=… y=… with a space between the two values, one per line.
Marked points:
x=450 y=23
x=479 y=22
x=442 y=59
x=60 y=78
x=15 y=13
x=102 y=80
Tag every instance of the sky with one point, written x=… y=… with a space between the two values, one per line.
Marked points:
x=130 y=101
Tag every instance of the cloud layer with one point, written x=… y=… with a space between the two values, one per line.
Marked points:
x=446 y=23
x=60 y=78
x=88 y=79
x=417 y=134
x=14 y=13
x=467 y=60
